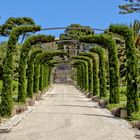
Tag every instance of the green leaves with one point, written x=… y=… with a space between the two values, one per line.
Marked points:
x=107 y=41
x=33 y=40
x=130 y=7
x=12 y=22
x=6 y=103
x=102 y=68
x=132 y=67
x=90 y=72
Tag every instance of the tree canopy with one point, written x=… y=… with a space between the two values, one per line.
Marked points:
x=130 y=6
x=75 y=31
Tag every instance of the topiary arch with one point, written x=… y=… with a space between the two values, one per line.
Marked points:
x=132 y=67
x=41 y=58
x=107 y=42
x=6 y=96
x=90 y=72
x=33 y=40
x=94 y=69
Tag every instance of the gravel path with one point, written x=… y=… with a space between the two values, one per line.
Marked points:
x=66 y=114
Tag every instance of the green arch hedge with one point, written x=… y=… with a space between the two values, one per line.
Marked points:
x=90 y=71
x=108 y=42
x=132 y=66
x=41 y=58
x=33 y=40
x=94 y=71
x=6 y=96
x=82 y=68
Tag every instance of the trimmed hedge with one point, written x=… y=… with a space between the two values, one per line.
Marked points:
x=6 y=96
x=41 y=87
x=33 y=40
x=102 y=68
x=108 y=42
x=46 y=75
x=95 y=71
x=132 y=67
x=90 y=71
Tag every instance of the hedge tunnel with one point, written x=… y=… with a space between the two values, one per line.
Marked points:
x=41 y=58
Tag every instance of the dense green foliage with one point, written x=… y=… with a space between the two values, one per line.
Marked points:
x=33 y=40
x=33 y=66
x=31 y=72
x=75 y=31
x=45 y=77
x=130 y=7
x=41 y=84
x=94 y=71
x=82 y=74
x=132 y=67
x=90 y=71
x=71 y=35
x=102 y=68
x=6 y=103
x=42 y=58
x=12 y=22
x=107 y=41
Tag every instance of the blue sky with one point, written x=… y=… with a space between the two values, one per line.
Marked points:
x=54 y=13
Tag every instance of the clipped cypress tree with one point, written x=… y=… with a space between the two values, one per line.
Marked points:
x=6 y=96
x=132 y=67
x=108 y=42
x=45 y=76
x=41 y=87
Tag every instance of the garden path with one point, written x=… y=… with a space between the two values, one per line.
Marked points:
x=66 y=114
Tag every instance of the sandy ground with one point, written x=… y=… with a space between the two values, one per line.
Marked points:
x=66 y=114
